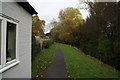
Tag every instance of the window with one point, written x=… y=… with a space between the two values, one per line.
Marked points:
x=8 y=43
x=11 y=42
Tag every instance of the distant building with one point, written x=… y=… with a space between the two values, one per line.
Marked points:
x=15 y=39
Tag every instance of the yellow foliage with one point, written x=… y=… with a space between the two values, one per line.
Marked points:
x=37 y=26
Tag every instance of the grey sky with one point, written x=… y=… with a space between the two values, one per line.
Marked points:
x=49 y=9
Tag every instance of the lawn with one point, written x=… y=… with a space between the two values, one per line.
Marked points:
x=42 y=60
x=80 y=65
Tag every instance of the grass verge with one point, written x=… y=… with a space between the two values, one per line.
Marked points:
x=81 y=66
x=41 y=61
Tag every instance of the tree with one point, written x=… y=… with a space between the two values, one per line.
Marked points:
x=55 y=31
x=69 y=18
x=99 y=33
x=37 y=26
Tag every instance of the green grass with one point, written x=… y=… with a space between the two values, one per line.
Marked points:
x=42 y=60
x=81 y=66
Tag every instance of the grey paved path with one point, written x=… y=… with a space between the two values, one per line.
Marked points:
x=57 y=68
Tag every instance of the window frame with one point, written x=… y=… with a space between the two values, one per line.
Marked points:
x=16 y=42
x=1 y=43
x=4 y=64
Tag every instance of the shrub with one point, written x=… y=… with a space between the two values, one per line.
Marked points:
x=35 y=46
x=47 y=43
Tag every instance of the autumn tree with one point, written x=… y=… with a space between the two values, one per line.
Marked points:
x=55 y=31
x=37 y=26
x=69 y=18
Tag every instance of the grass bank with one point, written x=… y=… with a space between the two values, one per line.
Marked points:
x=42 y=60
x=81 y=66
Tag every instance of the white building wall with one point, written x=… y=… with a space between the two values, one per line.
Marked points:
x=23 y=69
x=0 y=6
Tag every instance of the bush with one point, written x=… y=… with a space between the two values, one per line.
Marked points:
x=47 y=43
x=35 y=46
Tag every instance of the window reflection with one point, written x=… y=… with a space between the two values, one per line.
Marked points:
x=11 y=42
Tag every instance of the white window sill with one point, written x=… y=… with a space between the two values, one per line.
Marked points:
x=9 y=66
x=10 y=62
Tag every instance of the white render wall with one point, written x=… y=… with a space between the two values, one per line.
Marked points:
x=23 y=69
x=0 y=6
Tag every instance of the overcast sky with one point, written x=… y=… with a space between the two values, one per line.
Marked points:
x=49 y=9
